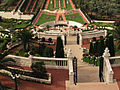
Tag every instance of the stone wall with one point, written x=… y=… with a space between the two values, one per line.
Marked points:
x=10 y=15
x=21 y=61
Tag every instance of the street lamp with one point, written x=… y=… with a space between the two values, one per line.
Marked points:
x=14 y=76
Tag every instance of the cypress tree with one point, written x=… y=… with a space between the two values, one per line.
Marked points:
x=94 y=38
x=102 y=46
x=91 y=50
x=59 y=48
x=95 y=46
x=110 y=45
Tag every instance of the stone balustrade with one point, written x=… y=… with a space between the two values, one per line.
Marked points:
x=108 y=72
x=58 y=63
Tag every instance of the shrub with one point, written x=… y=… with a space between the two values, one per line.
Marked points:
x=37 y=55
x=59 y=48
x=91 y=50
x=21 y=52
x=16 y=53
x=26 y=54
x=50 y=39
x=48 y=52
x=39 y=70
x=43 y=39
x=94 y=38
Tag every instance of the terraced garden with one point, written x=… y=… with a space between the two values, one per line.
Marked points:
x=54 y=4
x=9 y=5
x=32 y=6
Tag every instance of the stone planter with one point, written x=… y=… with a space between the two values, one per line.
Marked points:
x=29 y=78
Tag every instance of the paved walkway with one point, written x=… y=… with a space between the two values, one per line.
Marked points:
x=54 y=3
x=86 y=72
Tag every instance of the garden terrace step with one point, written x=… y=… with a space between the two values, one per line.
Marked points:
x=92 y=86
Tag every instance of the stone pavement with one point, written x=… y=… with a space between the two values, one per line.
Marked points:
x=88 y=75
x=93 y=86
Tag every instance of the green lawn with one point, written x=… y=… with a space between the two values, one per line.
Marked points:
x=45 y=18
x=75 y=17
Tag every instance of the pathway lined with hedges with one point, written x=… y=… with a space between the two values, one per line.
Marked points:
x=64 y=3
x=72 y=4
x=46 y=6
x=27 y=6
x=54 y=3
x=17 y=4
x=37 y=17
x=33 y=6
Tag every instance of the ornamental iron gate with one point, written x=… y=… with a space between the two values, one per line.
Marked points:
x=75 y=69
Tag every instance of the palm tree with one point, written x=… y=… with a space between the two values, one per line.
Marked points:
x=116 y=35
x=25 y=37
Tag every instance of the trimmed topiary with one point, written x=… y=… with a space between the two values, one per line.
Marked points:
x=59 y=48
x=50 y=39
x=91 y=50
x=43 y=39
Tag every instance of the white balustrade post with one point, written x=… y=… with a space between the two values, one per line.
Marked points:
x=31 y=60
x=63 y=38
x=105 y=32
x=80 y=39
x=70 y=63
x=108 y=72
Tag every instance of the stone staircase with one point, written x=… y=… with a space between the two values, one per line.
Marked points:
x=88 y=75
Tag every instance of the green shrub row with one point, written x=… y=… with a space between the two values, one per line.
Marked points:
x=92 y=60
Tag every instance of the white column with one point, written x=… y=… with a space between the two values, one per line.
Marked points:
x=80 y=41
x=31 y=60
x=105 y=33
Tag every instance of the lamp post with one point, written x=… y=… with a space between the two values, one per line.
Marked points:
x=14 y=76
